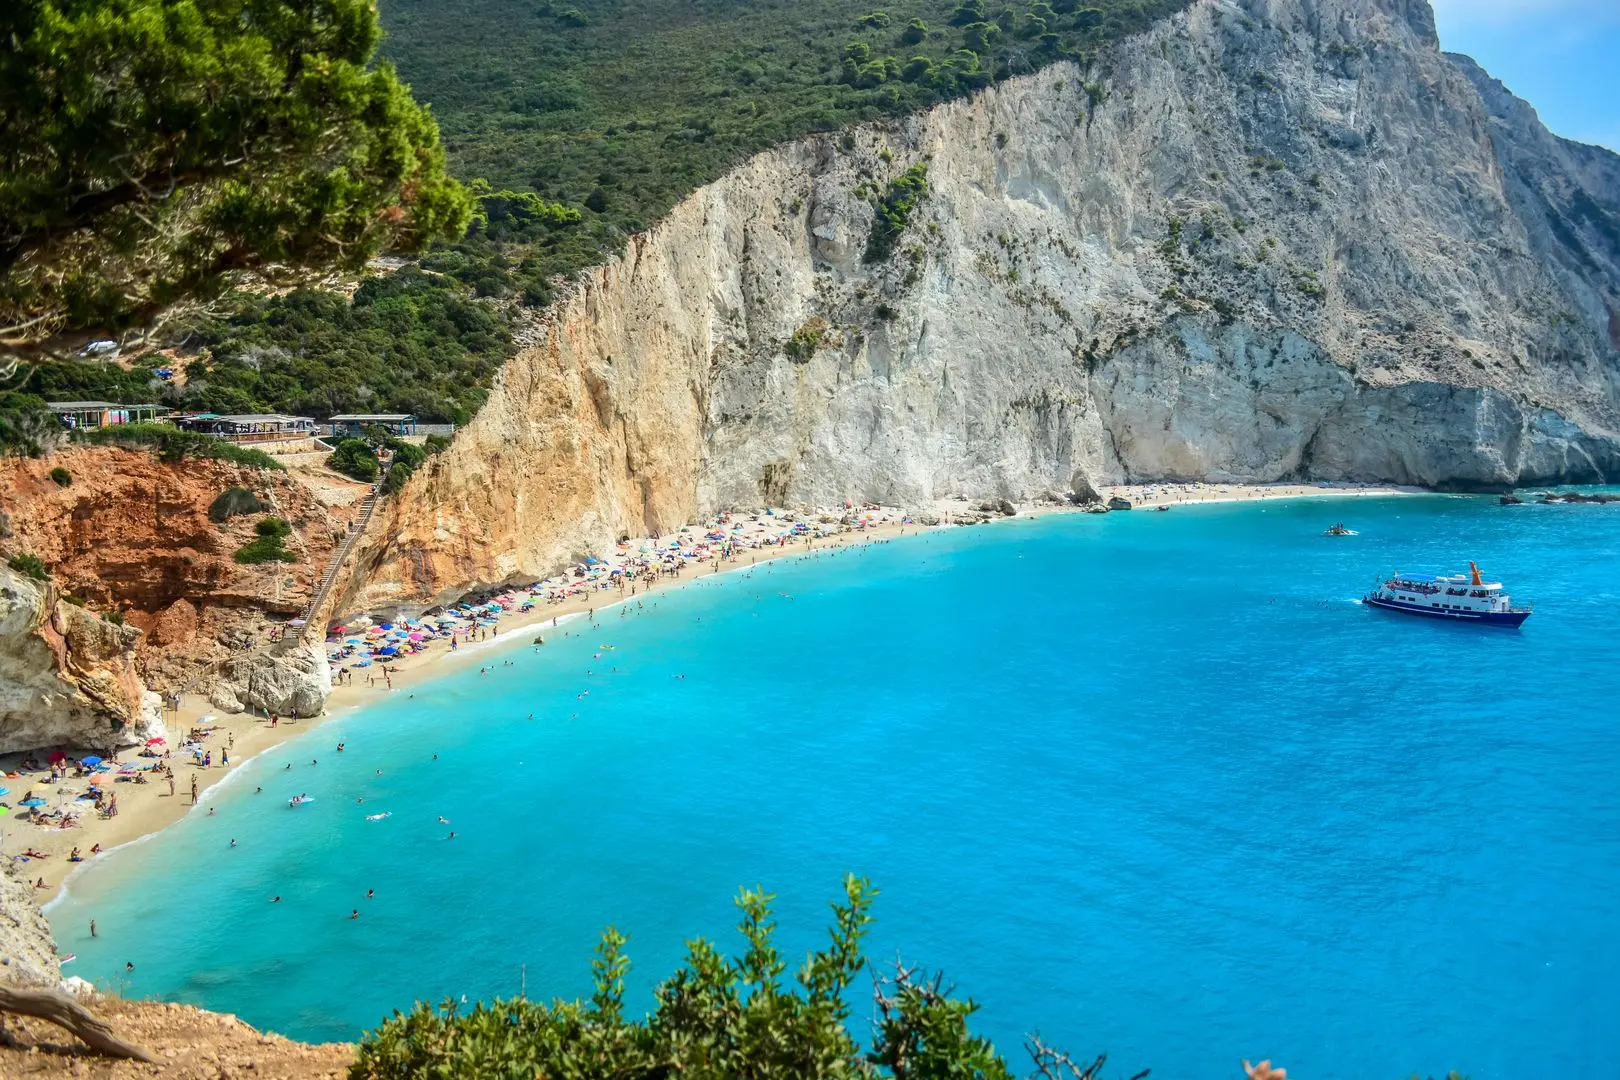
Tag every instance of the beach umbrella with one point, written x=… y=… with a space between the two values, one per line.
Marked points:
x=58 y=755
x=158 y=741
x=98 y=778
x=33 y=802
x=4 y=810
x=4 y=791
x=92 y=761
x=418 y=637
x=386 y=626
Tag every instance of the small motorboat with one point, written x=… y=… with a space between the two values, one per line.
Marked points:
x=1340 y=529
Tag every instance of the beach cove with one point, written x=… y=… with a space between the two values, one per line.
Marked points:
x=231 y=739
x=1261 y=839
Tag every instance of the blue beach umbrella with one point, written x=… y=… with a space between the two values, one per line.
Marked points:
x=32 y=802
x=92 y=761
x=4 y=791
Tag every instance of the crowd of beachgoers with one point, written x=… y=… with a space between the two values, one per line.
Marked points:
x=74 y=804
x=633 y=566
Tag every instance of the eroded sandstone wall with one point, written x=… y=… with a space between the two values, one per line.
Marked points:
x=1264 y=240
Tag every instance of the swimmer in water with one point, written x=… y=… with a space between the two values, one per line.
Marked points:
x=444 y=820
x=233 y=841
x=275 y=899
x=355 y=914
x=371 y=893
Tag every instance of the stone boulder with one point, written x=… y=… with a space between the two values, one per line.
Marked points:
x=296 y=684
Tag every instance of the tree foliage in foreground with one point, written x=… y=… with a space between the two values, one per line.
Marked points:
x=715 y=1017
x=150 y=149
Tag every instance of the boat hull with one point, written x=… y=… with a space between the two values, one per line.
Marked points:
x=1509 y=619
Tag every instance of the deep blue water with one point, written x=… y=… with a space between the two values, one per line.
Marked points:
x=1149 y=783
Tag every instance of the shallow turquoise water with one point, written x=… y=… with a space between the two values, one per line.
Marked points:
x=1148 y=783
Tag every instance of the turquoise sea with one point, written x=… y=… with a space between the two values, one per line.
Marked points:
x=1151 y=784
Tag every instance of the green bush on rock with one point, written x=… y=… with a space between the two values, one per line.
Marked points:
x=29 y=566
x=267 y=547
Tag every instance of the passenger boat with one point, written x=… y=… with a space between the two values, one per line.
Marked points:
x=1463 y=597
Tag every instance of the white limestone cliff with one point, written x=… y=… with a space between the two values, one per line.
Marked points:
x=67 y=676
x=1264 y=240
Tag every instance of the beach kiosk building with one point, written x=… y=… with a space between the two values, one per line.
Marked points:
x=250 y=427
x=89 y=415
x=355 y=424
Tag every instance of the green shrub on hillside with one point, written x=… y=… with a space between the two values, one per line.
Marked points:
x=61 y=477
x=172 y=444
x=713 y=1018
x=354 y=458
x=27 y=427
x=267 y=546
x=29 y=566
x=234 y=501
x=894 y=212
x=397 y=475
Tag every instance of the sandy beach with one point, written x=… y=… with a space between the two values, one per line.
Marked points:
x=230 y=740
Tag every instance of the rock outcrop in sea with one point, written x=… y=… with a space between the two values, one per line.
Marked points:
x=1277 y=239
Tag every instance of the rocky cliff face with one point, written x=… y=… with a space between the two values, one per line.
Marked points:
x=27 y=950
x=1264 y=240
x=67 y=676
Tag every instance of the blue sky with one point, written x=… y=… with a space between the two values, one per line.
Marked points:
x=1562 y=56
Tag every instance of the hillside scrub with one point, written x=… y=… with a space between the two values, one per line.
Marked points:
x=411 y=341
x=267 y=546
x=29 y=566
x=354 y=458
x=714 y=1017
x=172 y=444
x=585 y=127
x=894 y=212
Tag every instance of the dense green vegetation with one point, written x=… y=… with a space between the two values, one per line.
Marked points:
x=894 y=212
x=715 y=1017
x=354 y=458
x=29 y=566
x=267 y=546
x=151 y=149
x=618 y=108
x=578 y=125
x=172 y=444
x=411 y=341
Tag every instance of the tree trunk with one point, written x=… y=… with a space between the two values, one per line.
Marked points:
x=62 y=1010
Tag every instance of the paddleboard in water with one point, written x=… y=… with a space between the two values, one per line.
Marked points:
x=300 y=801
x=379 y=817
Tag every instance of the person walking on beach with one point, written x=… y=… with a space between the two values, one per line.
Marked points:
x=193 y=789
x=92 y=928
x=171 y=785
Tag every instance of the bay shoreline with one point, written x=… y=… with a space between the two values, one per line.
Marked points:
x=145 y=810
